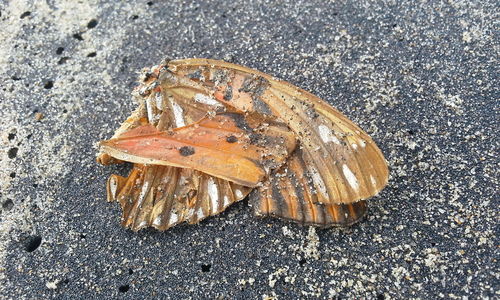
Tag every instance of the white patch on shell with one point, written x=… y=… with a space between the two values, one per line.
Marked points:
x=213 y=194
x=326 y=134
x=142 y=224
x=149 y=107
x=159 y=101
x=142 y=195
x=372 y=179
x=206 y=100
x=157 y=221
x=173 y=219
x=226 y=201
x=318 y=181
x=354 y=146
x=200 y=214
x=362 y=143
x=154 y=68
x=178 y=114
x=113 y=186
x=238 y=194
x=351 y=179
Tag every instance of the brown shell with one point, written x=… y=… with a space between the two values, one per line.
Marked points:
x=205 y=129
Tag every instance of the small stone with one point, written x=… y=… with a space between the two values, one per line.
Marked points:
x=52 y=285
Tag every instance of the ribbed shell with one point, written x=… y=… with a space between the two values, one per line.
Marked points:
x=321 y=176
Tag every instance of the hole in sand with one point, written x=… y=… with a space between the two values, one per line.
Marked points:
x=48 y=85
x=206 y=268
x=124 y=288
x=8 y=204
x=32 y=243
x=13 y=152
x=92 y=24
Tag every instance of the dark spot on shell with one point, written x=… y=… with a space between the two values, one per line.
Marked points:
x=220 y=109
x=186 y=151
x=255 y=85
x=255 y=138
x=312 y=113
x=220 y=76
x=239 y=121
x=147 y=76
x=281 y=204
x=261 y=106
x=195 y=75
x=231 y=139
x=228 y=94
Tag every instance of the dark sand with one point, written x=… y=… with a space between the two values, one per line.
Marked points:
x=421 y=78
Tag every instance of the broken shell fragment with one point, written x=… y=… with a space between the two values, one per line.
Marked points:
x=208 y=133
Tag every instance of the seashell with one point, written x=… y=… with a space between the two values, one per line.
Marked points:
x=208 y=133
